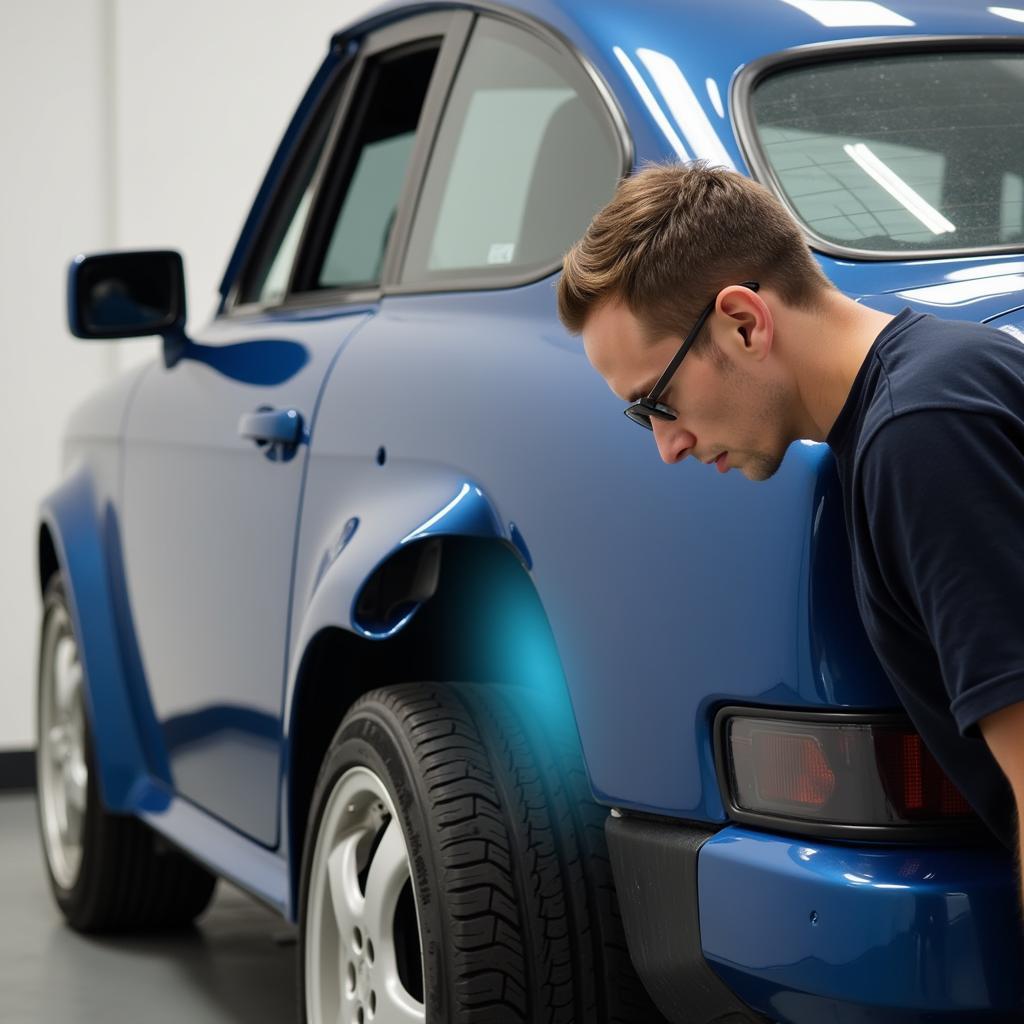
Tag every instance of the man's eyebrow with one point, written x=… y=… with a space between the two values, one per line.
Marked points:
x=643 y=392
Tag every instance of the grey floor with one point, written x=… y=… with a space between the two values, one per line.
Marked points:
x=236 y=965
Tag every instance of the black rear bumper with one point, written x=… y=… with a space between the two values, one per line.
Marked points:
x=655 y=869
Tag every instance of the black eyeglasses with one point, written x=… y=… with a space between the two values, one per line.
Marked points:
x=642 y=410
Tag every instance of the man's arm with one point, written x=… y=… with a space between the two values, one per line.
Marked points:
x=1003 y=731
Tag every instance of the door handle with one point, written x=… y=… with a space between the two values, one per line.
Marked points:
x=272 y=426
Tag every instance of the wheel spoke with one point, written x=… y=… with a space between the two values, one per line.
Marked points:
x=75 y=781
x=343 y=882
x=58 y=744
x=389 y=870
x=67 y=675
x=396 y=1006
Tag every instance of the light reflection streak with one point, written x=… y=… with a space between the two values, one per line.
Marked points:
x=715 y=96
x=885 y=176
x=986 y=270
x=847 y=13
x=956 y=292
x=438 y=516
x=686 y=108
x=651 y=103
x=1010 y=13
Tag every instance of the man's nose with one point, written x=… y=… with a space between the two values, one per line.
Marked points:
x=673 y=441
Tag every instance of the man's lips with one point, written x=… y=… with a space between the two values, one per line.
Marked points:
x=721 y=463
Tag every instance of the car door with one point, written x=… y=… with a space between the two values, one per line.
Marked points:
x=216 y=444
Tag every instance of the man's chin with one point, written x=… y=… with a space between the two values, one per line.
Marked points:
x=759 y=468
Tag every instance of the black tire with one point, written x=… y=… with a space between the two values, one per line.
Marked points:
x=518 y=920
x=128 y=878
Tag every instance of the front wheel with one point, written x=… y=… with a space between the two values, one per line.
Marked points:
x=107 y=872
x=450 y=874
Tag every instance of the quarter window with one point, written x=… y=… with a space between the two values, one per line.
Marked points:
x=525 y=156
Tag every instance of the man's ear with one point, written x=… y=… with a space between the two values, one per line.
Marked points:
x=749 y=326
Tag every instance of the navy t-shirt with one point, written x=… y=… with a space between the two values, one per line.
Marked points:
x=930 y=450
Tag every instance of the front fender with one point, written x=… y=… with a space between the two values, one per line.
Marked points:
x=86 y=537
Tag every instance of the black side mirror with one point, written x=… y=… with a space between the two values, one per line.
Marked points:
x=129 y=295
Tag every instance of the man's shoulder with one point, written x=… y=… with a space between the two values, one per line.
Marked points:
x=944 y=366
x=955 y=362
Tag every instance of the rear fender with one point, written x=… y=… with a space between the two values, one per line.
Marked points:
x=396 y=519
x=377 y=527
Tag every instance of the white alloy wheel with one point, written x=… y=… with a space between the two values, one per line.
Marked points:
x=61 y=763
x=360 y=867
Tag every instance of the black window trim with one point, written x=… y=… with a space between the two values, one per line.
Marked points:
x=391 y=30
x=747 y=79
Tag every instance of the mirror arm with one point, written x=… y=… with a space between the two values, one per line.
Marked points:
x=176 y=344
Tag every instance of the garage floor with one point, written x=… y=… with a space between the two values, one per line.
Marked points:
x=237 y=965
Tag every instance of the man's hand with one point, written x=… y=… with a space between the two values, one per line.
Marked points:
x=1004 y=733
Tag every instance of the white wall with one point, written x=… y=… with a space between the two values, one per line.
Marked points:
x=126 y=123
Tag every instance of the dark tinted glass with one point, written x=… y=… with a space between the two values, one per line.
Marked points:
x=367 y=179
x=911 y=152
x=525 y=156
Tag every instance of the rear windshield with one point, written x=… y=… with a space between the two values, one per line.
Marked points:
x=916 y=152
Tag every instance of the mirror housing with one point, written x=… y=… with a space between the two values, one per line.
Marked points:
x=129 y=295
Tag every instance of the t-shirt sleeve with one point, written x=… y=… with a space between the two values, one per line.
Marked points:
x=944 y=498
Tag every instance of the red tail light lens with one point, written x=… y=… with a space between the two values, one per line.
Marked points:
x=834 y=771
x=790 y=768
x=913 y=780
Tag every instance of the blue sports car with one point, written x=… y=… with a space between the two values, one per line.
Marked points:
x=367 y=597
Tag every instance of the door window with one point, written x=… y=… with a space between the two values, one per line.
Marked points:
x=525 y=156
x=365 y=181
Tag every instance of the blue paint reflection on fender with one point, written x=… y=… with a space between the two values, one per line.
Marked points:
x=468 y=514
x=930 y=927
x=845 y=668
x=76 y=525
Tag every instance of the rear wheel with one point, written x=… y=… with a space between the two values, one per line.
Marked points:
x=107 y=872
x=454 y=870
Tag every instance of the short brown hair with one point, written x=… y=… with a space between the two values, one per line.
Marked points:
x=675 y=234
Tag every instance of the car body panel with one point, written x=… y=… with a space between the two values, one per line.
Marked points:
x=82 y=518
x=211 y=627
x=225 y=850
x=561 y=454
x=83 y=523
x=905 y=931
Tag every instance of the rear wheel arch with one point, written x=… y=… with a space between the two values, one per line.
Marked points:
x=484 y=624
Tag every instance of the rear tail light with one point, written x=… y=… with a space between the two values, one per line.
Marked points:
x=837 y=772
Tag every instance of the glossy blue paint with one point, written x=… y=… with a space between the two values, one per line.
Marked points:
x=649 y=595
x=223 y=849
x=902 y=933
x=74 y=514
x=210 y=593
x=265 y=361
x=572 y=488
